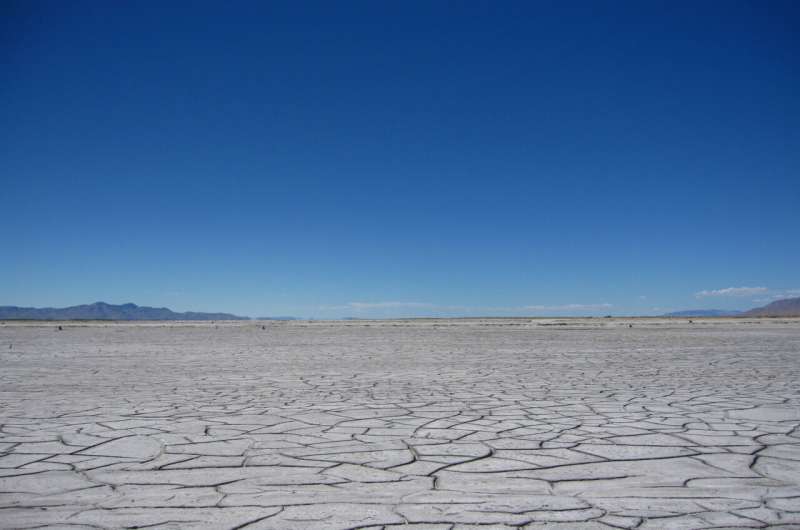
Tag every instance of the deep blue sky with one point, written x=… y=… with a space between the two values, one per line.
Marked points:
x=400 y=158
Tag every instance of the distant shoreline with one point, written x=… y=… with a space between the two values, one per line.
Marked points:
x=397 y=319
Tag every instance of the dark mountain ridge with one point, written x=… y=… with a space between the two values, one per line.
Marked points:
x=104 y=311
x=704 y=313
x=788 y=307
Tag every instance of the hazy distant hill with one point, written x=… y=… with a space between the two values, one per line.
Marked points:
x=788 y=307
x=704 y=313
x=104 y=311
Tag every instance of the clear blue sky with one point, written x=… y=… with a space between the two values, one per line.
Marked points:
x=400 y=158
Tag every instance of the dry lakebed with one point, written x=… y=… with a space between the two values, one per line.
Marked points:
x=409 y=424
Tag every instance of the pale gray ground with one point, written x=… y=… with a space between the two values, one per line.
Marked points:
x=427 y=424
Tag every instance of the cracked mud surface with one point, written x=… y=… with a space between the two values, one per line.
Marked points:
x=472 y=424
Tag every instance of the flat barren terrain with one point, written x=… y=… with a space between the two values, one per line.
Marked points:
x=435 y=424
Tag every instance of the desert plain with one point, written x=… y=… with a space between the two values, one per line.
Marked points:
x=407 y=424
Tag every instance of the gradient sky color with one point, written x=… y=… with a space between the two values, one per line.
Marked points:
x=330 y=159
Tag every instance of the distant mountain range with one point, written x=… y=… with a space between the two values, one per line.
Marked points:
x=104 y=311
x=788 y=307
x=704 y=313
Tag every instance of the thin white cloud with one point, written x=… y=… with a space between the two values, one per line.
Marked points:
x=780 y=295
x=428 y=308
x=566 y=307
x=386 y=305
x=365 y=306
x=732 y=291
